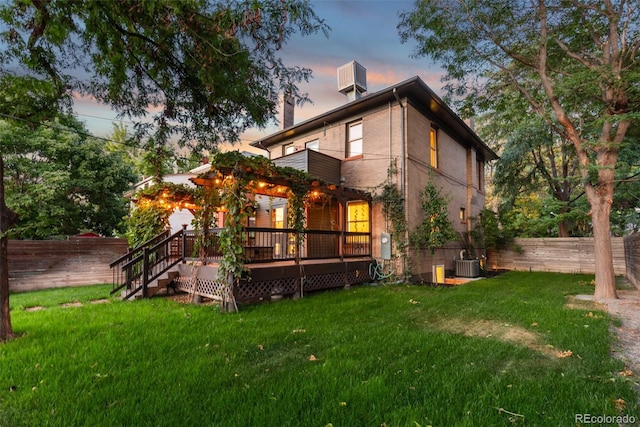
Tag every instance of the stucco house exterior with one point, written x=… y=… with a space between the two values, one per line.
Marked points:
x=406 y=124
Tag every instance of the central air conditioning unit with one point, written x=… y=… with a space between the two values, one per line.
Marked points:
x=467 y=268
x=352 y=80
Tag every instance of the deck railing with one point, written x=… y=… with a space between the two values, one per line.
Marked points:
x=275 y=244
x=138 y=267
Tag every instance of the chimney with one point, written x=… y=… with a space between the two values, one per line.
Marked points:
x=352 y=80
x=286 y=105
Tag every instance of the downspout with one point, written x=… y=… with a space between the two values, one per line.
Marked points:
x=386 y=219
x=402 y=176
x=264 y=148
x=390 y=134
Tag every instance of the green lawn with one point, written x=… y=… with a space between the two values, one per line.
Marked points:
x=473 y=355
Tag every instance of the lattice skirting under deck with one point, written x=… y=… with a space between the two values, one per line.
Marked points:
x=250 y=290
x=288 y=284
x=204 y=287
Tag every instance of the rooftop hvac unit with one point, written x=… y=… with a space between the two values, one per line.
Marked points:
x=352 y=76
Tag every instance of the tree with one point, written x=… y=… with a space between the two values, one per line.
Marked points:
x=210 y=69
x=537 y=184
x=574 y=62
x=625 y=211
x=533 y=158
x=60 y=181
x=7 y=219
x=25 y=100
x=436 y=229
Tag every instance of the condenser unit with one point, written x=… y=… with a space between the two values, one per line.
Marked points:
x=467 y=268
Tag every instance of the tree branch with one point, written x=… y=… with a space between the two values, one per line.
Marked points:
x=571 y=132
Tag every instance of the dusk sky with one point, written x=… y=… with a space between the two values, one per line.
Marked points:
x=364 y=31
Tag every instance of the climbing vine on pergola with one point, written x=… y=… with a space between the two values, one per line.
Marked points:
x=154 y=205
x=230 y=185
x=236 y=177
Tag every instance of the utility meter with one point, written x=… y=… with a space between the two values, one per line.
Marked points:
x=385 y=246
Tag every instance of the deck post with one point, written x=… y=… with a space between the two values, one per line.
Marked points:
x=183 y=244
x=343 y=225
x=299 y=284
x=145 y=271
x=228 y=302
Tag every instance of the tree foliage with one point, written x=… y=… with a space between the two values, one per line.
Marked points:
x=574 y=62
x=436 y=229
x=491 y=231
x=26 y=100
x=534 y=161
x=153 y=207
x=209 y=69
x=203 y=70
x=61 y=182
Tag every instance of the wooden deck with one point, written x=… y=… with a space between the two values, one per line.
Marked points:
x=146 y=270
x=275 y=279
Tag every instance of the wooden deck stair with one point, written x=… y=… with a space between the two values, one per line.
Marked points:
x=149 y=268
x=156 y=285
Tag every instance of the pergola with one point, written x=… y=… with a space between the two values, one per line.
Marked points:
x=256 y=262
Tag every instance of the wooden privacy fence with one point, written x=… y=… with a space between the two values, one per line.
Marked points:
x=632 y=256
x=81 y=261
x=39 y=264
x=561 y=255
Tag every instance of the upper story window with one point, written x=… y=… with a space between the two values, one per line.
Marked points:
x=480 y=172
x=433 y=148
x=354 y=139
x=288 y=149
x=313 y=145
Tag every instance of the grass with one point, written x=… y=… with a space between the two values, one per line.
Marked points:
x=483 y=354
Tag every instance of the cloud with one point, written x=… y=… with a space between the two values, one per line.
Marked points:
x=364 y=31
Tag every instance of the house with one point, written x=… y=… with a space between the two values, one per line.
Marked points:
x=333 y=162
x=406 y=125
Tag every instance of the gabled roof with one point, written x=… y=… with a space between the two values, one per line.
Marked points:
x=418 y=94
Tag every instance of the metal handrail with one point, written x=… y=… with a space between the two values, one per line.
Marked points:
x=139 y=248
x=139 y=267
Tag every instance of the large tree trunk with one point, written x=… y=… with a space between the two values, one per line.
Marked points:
x=605 y=277
x=6 y=331
x=7 y=220
x=601 y=199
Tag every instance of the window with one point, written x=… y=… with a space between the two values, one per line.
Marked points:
x=433 y=148
x=288 y=149
x=463 y=215
x=354 y=139
x=480 y=171
x=277 y=219
x=358 y=217
x=313 y=145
